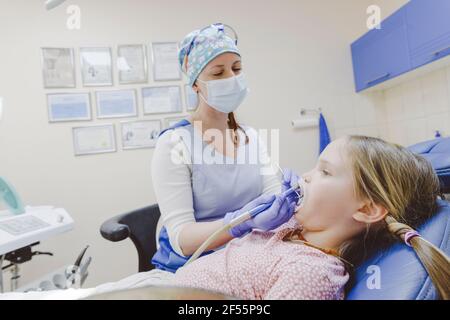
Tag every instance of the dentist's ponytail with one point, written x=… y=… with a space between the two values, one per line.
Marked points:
x=235 y=126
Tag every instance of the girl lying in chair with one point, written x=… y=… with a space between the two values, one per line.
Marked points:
x=362 y=196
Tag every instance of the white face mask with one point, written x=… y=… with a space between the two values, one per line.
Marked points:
x=225 y=95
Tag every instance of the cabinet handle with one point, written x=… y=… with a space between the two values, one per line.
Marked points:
x=380 y=77
x=436 y=53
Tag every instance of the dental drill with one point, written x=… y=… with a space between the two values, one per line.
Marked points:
x=295 y=189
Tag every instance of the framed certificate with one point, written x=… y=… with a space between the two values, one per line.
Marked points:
x=69 y=107
x=165 y=61
x=140 y=134
x=94 y=139
x=132 y=64
x=116 y=103
x=96 y=68
x=166 y=99
x=58 y=68
x=191 y=98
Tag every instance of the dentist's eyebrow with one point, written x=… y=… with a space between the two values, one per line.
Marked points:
x=222 y=65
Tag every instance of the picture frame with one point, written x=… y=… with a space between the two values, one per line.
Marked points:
x=140 y=134
x=165 y=63
x=64 y=107
x=163 y=99
x=58 y=68
x=94 y=139
x=132 y=64
x=96 y=66
x=116 y=103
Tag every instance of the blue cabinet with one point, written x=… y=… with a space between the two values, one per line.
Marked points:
x=381 y=54
x=428 y=25
x=416 y=34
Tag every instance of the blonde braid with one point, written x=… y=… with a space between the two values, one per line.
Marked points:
x=432 y=258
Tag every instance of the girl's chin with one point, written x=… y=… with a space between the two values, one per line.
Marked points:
x=298 y=213
x=299 y=209
x=301 y=213
x=298 y=219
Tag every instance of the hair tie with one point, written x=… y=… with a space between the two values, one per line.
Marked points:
x=409 y=235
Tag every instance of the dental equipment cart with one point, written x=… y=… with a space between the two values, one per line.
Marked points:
x=24 y=227
x=18 y=233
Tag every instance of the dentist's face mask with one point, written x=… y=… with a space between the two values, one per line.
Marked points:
x=225 y=95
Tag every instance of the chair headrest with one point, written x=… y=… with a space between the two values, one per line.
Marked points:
x=437 y=151
x=401 y=274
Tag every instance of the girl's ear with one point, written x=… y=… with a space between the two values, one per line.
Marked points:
x=370 y=212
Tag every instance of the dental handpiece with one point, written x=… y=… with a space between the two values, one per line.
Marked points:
x=294 y=190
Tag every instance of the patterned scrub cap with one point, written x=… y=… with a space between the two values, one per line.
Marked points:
x=201 y=46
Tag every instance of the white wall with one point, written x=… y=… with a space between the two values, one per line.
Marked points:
x=296 y=54
x=419 y=107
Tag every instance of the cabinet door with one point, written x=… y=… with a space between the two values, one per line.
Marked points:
x=428 y=24
x=381 y=54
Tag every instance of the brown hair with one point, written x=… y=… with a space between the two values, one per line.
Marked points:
x=235 y=126
x=406 y=185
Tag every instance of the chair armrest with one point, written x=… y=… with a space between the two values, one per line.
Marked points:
x=113 y=230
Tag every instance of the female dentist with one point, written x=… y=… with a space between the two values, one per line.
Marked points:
x=196 y=197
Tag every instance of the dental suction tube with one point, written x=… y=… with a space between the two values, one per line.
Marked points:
x=295 y=190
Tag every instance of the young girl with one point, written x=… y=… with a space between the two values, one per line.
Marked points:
x=363 y=195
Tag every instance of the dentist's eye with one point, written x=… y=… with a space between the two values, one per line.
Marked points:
x=325 y=172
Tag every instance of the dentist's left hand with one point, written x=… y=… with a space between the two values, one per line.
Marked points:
x=278 y=213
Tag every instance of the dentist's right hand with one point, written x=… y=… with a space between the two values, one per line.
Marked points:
x=278 y=213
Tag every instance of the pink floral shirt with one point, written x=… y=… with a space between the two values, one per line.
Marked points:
x=263 y=266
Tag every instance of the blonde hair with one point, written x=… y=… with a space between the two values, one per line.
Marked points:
x=406 y=185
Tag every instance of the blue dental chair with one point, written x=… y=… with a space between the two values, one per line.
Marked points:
x=402 y=275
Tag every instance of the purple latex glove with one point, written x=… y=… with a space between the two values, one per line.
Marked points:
x=278 y=213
